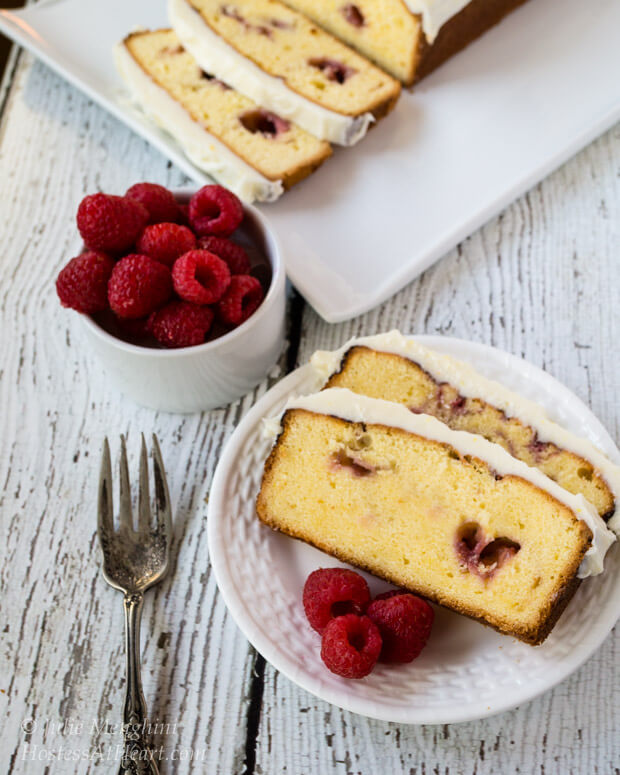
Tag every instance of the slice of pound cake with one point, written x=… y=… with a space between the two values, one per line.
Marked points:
x=408 y=38
x=443 y=513
x=401 y=369
x=252 y=151
x=283 y=61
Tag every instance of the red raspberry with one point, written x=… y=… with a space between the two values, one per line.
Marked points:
x=110 y=223
x=330 y=592
x=181 y=324
x=391 y=593
x=159 y=202
x=200 y=277
x=184 y=214
x=165 y=242
x=135 y=329
x=404 y=622
x=215 y=210
x=138 y=286
x=234 y=255
x=351 y=646
x=83 y=283
x=241 y=300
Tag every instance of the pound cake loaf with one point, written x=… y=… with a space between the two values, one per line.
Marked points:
x=252 y=151
x=400 y=369
x=442 y=513
x=408 y=38
x=283 y=61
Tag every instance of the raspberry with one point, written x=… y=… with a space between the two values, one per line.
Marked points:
x=110 y=223
x=83 y=283
x=137 y=328
x=159 y=202
x=215 y=210
x=391 y=593
x=200 y=277
x=404 y=622
x=330 y=592
x=351 y=646
x=165 y=242
x=138 y=286
x=184 y=214
x=234 y=255
x=181 y=324
x=241 y=300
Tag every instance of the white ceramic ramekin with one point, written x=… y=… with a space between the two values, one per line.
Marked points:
x=206 y=376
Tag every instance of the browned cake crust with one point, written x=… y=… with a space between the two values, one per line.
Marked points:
x=443 y=397
x=301 y=172
x=387 y=106
x=289 y=178
x=379 y=108
x=534 y=635
x=459 y=31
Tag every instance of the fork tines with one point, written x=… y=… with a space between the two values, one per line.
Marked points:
x=145 y=518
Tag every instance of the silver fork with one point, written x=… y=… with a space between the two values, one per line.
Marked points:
x=133 y=560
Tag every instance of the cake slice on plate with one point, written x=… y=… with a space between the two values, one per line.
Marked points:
x=283 y=61
x=443 y=513
x=408 y=38
x=254 y=152
x=400 y=369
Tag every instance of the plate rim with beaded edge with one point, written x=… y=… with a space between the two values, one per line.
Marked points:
x=467 y=671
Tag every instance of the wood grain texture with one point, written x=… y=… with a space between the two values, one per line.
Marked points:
x=62 y=659
x=570 y=730
x=540 y=280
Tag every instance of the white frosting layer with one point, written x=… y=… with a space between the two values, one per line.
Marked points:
x=354 y=407
x=216 y=56
x=435 y=13
x=205 y=151
x=471 y=384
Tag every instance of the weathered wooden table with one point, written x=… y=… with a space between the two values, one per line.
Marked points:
x=542 y=281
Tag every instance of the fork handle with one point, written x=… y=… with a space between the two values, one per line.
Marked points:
x=137 y=755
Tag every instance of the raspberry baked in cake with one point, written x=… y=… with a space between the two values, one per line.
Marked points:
x=254 y=152
x=283 y=61
x=397 y=368
x=442 y=513
x=408 y=38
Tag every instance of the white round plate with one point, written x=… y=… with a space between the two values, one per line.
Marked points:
x=467 y=671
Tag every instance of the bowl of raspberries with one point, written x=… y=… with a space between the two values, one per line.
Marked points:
x=182 y=293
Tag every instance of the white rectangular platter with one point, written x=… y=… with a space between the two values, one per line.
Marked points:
x=480 y=131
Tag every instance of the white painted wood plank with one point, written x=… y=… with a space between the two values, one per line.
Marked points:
x=540 y=281
x=571 y=730
x=61 y=657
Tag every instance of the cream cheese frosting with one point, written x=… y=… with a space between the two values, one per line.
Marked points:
x=201 y=147
x=353 y=407
x=435 y=13
x=216 y=56
x=471 y=384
